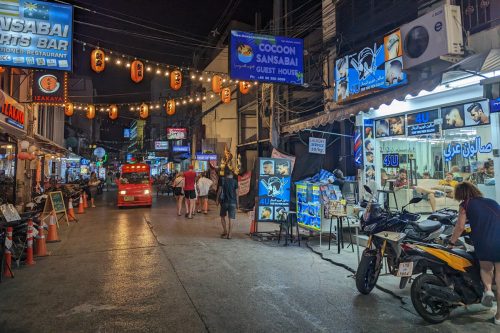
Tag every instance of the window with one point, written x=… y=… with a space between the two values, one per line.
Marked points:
x=478 y=15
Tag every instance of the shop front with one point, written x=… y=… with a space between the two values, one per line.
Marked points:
x=434 y=140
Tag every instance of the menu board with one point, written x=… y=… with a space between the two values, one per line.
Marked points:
x=425 y=122
x=274 y=189
x=57 y=202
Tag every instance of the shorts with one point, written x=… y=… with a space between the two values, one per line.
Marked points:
x=203 y=196
x=177 y=191
x=190 y=194
x=228 y=209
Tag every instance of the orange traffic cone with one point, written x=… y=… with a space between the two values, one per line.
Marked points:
x=85 y=204
x=253 y=224
x=71 y=211
x=29 y=247
x=52 y=237
x=41 y=246
x=7 y=254
x=80 y=205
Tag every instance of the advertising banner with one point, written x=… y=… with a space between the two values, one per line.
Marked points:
x=49 y=87
x=161 y=145
x=469 y=114
x=266 y=58
x=308 y=206
x=174 y=133
x=317 y=146
x=426 y=122
x=274 y=189
x=12 y=112
x=372 y=69
x=244 y=183
x=36 y=34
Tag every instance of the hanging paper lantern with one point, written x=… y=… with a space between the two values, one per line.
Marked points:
x=68 y=109
x=176 y=80
x=23 y=155
x=113 y=112
x=97 y=61
x=144 y=111
x=90 y=112
x=244 y=87
x=137 y=71
x=217 y=84
x=170 y=107
x=226 y=95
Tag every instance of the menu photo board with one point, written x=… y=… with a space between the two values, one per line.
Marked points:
x=392 y=126
x=425 y=122
x=371 y=69
x=274 y=189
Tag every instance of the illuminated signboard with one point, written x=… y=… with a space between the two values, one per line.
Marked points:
x=12 y=112
x=390 y=160
x=206 y=157
x=49 y=87
x=266 y=58
x=425 y=122
x=181 y=149
x=495 y=105
x=161 y=145
x=372 y=69
x=36 y=34
x=176 y=133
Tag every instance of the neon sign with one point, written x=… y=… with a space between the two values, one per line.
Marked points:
x=467 y=149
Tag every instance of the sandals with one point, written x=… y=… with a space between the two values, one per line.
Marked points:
x=223 y=235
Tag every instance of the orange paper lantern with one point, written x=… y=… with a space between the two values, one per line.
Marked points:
x=113 y=112
x=216 y=84
x=97 y=61
x=144 y=111
x=226 y=95
x=244 y=87
x=90 y=112
x=69 y=109
x=2 y=69
x=170 y=107
x=137 y=71
x=176 y=80
x=23 y=155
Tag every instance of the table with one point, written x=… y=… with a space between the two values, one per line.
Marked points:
x=340 y=217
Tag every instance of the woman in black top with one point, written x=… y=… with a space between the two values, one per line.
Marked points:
x=483 y=215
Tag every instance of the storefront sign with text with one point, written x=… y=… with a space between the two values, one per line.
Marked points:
x=467 y=149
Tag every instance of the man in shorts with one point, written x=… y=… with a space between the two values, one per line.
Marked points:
x=227 y=197
x=189 y=191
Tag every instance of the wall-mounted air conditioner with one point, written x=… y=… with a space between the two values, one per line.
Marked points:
x=435 y=34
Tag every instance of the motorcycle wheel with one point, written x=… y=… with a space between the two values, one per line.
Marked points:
x=434 y=312
x=367 y=273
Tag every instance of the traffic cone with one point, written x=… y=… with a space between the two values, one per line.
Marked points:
x=41 y=246
x=7 y=254
x=29 y=247
x=80 y=205
x=85 y=204
x=52 y=237
x=71 y=211
x=253 y=225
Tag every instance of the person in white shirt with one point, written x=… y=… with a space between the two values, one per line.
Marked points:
x=203 y=185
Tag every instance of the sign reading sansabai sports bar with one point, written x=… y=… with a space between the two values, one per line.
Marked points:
x=36 y=34
x=266 y=58
x=12 y=112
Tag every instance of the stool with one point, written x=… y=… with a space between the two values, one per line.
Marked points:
x=386 y=194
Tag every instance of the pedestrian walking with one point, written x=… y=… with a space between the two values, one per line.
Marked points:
x=227 y=198
x=190 y=191
x=93 y=184
x=178 y=185
x=204 y=185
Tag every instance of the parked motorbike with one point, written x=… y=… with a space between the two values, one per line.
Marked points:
x=386 y=231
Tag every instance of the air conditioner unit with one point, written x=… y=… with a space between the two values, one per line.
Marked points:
x=435 y=34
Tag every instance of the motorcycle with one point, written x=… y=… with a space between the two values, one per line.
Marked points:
x=386 y=232
x=455 y=279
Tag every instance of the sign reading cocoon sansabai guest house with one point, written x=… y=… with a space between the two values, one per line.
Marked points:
x=36 y=34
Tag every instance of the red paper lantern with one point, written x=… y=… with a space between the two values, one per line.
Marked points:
x=244 y=87
x=23 y=155
x=176 y=80
x=170 y=107
x=217 y=84
x=90 y=112
x=144 y=111
x=137 y=71
x=113 y=112
x=226 y=95
x=69 y=109
x=97 y=60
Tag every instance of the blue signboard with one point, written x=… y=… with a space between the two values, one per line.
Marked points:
x=36 y=34
x=495 y=105
x=390 y=160
x=274 y=189
x=181 y=149
x=266 y=58
x=467 y=149
x=374 y=68
x=84 y=161
x=425 y=122
x=206 y=157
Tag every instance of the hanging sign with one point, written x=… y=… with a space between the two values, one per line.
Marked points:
x=161 y=145
x=273 y=201
x=49 y=87
x=266 y=58
x=175 y=133
x=36 y=34
x=181 y=149
x=12 y=112
x=317 y=146
x=467 y=149
x=426 y=122
x=244 y=183
x=206 y=157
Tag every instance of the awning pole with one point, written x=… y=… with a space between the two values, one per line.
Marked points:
x=329 y=133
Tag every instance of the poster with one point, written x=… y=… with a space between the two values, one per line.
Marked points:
x=392 y=126
x=36 y=34
x=244 y=183
x=453 y=117
x=477 y=113
x=368 y=149
x=277 y=154
x=266 y=58
x=308 y=206
x=274 y=189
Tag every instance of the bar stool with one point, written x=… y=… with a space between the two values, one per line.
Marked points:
x=386 y=194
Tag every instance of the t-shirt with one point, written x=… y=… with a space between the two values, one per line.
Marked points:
x=204 y=186
x=229 y=187
x=451 y=183
x=189 y=180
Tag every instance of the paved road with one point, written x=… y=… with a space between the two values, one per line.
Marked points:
x=147 y=270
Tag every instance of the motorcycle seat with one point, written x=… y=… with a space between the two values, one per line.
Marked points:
x=426 y=225
x=462 y=253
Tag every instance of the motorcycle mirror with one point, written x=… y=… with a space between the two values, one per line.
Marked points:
x=415 y=200
x=367 y=189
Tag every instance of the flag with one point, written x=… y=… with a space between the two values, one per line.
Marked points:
x=35 y=11
x=9 y=7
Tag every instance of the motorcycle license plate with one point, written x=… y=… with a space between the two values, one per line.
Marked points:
x=405 y=269
x=128 y=198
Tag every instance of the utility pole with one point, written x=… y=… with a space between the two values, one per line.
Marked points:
x=275 y=89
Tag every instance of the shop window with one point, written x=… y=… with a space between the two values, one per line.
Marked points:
x=7 y=172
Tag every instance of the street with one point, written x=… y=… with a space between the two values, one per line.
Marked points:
x=147 y=270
